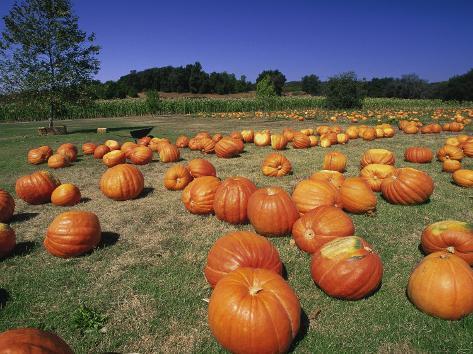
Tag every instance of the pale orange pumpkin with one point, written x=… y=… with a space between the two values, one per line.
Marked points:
x=309 y=194
x=66 y=195
x=335 y=161
x=333 y=177
x=276 y=165
x=374 y=175
x=113 y=158
x=379 y=156
x=463 y=178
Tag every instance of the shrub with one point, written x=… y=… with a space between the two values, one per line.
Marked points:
x=265 y=88
x=152 y=101
x=311 y=84
x=344 y=91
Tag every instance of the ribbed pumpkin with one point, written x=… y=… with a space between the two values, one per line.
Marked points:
x=288 y=134
x=113 y=158
x=194 y=144
x=278 y=142
x=262 y=138
x=368 y=134
x=463 y=178
x=207 y=146
x=352 y=132
x=248 y=135
x=236 y=135
x=112 y=144
x=254 y=310
x=182 y=141
x=411 y=129
x=333 y=177
x=374 y=174
x=122 y=182
x=177 y=178
x=379 y=156
x=32 y=341
x=66 y=195
x=7 y=241
x=276 y=165
x=300 y=141
x=342 y=138
x=357 y=196
x=467 y=148
x=347 y=268
x=100 y=151
x=144 y=141
x=72 y=234
x=307 y=131
x=309 y=194
x=451 y=236
x=141 y=155
x=7 y=206
x=201 y=167
x=127 y=147
x=449 y=152
x=198 y=196
x=325 y=142
x=58 y=161
x=314 y=140
x=272 y=212
x=452 y=141
x=36 y=157
x=203 y=134
x=451 y=166
x=449 y=280
x=88 y=148
x=335 y=161
x=418 y=155
x=227 y=148
x=68 y=150
x=240 y=249
x=319 y=226
x=331 y=136
x=47 y=152
x=407 y=186
x=217 y=137
x=169 y=153
x=37 y=187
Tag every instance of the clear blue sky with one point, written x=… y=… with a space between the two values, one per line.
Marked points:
x=433 y=38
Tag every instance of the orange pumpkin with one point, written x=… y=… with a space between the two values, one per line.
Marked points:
x=300 y=141
x=37 y=187
x=451 y=165
x=418 y=155
x=467 y=148
x=72 y=234
x=7 y=241
x=262 y=138
x=357 y=196
x=231 y=200
x=236 y=135
x=217 y=137
x=347 y=268
x=278 y=142
x=141 y=155
x=100 y=151
x=68 y=150
x=449 y=152
x=352 y=132
x=379 y=156
x=325 y=142
x=342 y=138
x=36 y=157
x=203 y=134
x=47 y=152
x=182 y=141
x=368 y=134
x=309 y=194
x=112 y=144
x=335 y=161
x=411 y=129
x=227 y=148
x=248 y=135
x=333 y=177
x=195 y=144
x=374 y=174
x=7 y=206
x=88 y=148
x=463 y=178
x=407 y=186
x=144 y=141
x=198 y=196
x=177 y=178
x=288 y=134
x=200 y=168
x=169 y=153
x=127 y=147
x=58 y=161
x=113 y=158
x=449 y=280
x=66 y=195
x=33 y=341
x=122 y=182
x=276 y=165
x=207 y=146
x=314 y=140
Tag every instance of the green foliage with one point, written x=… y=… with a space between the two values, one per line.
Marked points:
x=88 y=320
x=265 y=88
x=311 y=84
x=458 y=88
x=344 y=91
x=276 y=77
x=153 y=101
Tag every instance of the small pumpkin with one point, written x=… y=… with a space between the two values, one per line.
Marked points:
x=262 y=138
x=217 y=137
x=314 y=140
x=418 y=155
x=248 y=135
x=200 y=168
x=68 y=150
x=66 y=195
x=368 y=134
x=35 y=157
x=177 y=178
x=310 y=194
x=236 y=135
x=207 y=146
x=450 y=152
x=113 y=158
x=278 y=142
x=182 y=141
x=357 y=196
x=7 y=206
x=122 y=182
x=141 y=155
x=379 y=156
x=276 y=165
x=46 y=151
x=300 y=141
x=33 y=341
x=451 y=166
x=144 y=141
x=169 y=153
x=198 y=196
x=288 y=134
x=88 y=148
x=58 y=161
x=7 y=240
x=467 y=148
x=112 y=144
x=463 y=178
x=37 y=187
x=407 y=186
x=335 y=161
x=374 y=174
x=342 y=138
x=333 y=177
x=100 y=151
x=195 y=144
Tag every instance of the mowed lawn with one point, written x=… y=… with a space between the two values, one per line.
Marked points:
x=145 y=283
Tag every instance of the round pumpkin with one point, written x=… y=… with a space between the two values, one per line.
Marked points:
x=182 y=141
x=7 y=241
x=200 y=168
x=352 y=132
x=335 y=161
x=309 y=194
x=88 y=148
x=248 y=135
x=411 y=129
x=72 y=234
x=122 y=182
x=194 y=144
x=300 y=141
x=231 y=200
x=272 y=212
x=451 y=166
x=368 y=134
x=236 y=135
x=169 y=153
x=325 y=142
x=347 y=268
x=198 y=196
x=449 y=152
x=100 y=151
x=141 y=155
x=407 y=186
x=32 y=341
x=177 y=178
x=467 y=148
x=278 y=142
x=254 y=310
x=144 y=141
x=276 y=165
x=463 y=178
x=319 y=226
x=357 y=196
x=217 y=137
x=333 y=177
x=288 y=134
x=262 y=138
x=66 y=195
x=113 y=158
x=46 y=151
x=207 y=146
x=68 y=150
x=58 y=161
x=112 y=144
x=35 y=157
x=379 y=156
x=7 y=206
x=449 y=280
x=314 y=140
x=240 y=249
x=374 y=174
x=227 y=148
x=37 y=187
x=418 y=155
x=127 y=147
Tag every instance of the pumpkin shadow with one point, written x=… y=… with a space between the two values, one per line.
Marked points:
x=146 y=191
x=23 y=217
x=284 y=272
x=23 y=248
x=303 y=329
x=85 y=200
x=421 y=250
x=4 y=297
x=108 y=239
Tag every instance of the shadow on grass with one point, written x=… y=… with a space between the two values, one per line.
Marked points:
x=303 y=329
x=85 y=200
x=146 y=191
x=24 y=248
x=4 y=297
x=114 y=129
x=108 y=239
x=23 y=217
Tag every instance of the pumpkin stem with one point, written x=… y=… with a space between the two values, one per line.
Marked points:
x=271 y=191
x=254 y=290
x=451 y=249
x=309 y=234
x=368 y=249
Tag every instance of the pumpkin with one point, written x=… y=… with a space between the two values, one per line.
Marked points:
x=240 y=249
x=451 y=236
x=332 y=137
x=217 y=137
x=262 y=138
x=207 y=146
x=194 y=144
x=66 y=195
x=169 y=153
x=288 y=134
x=411 y=129
x=368 y=134
x=248 y=135
x=342 y=138
x=7 y=240
x=451 y=165
x=388 y=132
x=254 y=310
x=7 y=206
x=122 y=182
x=418 y=155
x=58 y=161
x=379 y=156
x=227 y=148
x=352 y=132
x=407 y=186
x=323 y=129
x=319 y=226
x=335 y=161
x=231 y=200
x=236 y=135
x=309 y=194
x=201 y=167
x=112 y=144
x=357 y=196
x=374 y=174
x=463 y=178
x=278 y=142
x=182 y=141
x=449 y=152
x=127 y=147
x=32 y=341
x=157 y=145
x=113 y=158
x=141 y=155
x=307 y=131
x=37 y=187
x=467 y=148
x=177 y=178
x=314 y=140
x=272 y=212
x=198 y=196
x=452 y=141
x=100 y=151
x=72 y=234
x=68 y=150
x=47 y=152
x=88 y=148
x=449 y=280
x=347 y=268
x=300 y=141
x=276 y=165
x=379 y=132
x=35 y=157
x=203 y=134
x=333 y=177
x=325 y=142
x=144 y=141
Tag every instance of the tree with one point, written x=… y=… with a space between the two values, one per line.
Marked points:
x=344 y=91
x=311 y=84
x=458 y=88
x=276 y=77
x=265 y=88
x=44 y=53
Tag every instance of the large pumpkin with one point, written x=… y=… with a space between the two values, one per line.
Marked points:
x=231 y=199
x=449 y=280
x=335 y=161
x=278 y=142
x=141 y=155
x=7 y=206
x=113 y=158
x=463 y=178
x=177 y=178
x=380 y=156
x=347 y=268
x=37 y=187
x=7 y=241
x=58 y=161
x=272 y=212
x=200 y=168
x=69 y=150
x=309 y=194
x=449 y=235
x=66 y=195
x=407 y=186
x=227 y=147
x=276 y=165
x=300 y=141
x=254 y=311
x=32 y=341
x=207 y=145
x=319 y=226
x=88 y=148
x=122 y=182
x=450 y=152
x=374 y=174
x=418 y=155
x=72 y=234
x=357 y=196
x=240 y=249
x=198 y=196
x=333 y=177
x=100 y=151
x=169 y=153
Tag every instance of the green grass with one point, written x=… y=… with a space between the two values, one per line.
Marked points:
x=143 y=290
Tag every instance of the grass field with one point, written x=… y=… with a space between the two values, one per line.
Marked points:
x=143 y=289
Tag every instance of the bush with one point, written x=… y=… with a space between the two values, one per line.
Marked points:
x=276 y=77
x=311 y=84
x=152 y=101
x=265 y=88
x=344 y=91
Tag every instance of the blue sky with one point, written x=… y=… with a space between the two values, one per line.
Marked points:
x=373 y=38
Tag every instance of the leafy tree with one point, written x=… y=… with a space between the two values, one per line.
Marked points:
x=153 y=101
x=311 y=84
x=195 y=78
x=276 y=77
x=265 y=88
x=44 y=53
x=458 y=88
x=344 y=91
